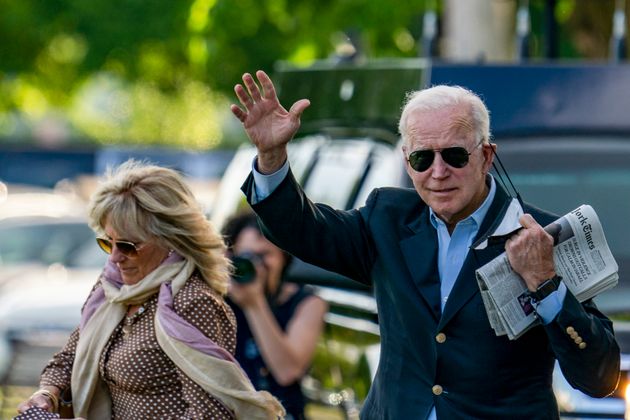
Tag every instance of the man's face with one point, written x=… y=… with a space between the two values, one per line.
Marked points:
x=452 y=193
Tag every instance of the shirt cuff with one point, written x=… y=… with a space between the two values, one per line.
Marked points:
x=264 y=185
x=549 y=307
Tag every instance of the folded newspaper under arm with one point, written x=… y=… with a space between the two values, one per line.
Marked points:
x=581 y=256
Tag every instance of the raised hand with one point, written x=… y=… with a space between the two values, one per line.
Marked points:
x=267 y=123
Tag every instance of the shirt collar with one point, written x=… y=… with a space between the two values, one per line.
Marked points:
x=478 y=215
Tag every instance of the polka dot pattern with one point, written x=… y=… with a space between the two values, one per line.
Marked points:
x=36 y=413
x=143 y=382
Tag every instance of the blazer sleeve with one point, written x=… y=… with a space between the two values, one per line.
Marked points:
x=316 y=233
x=583 y=341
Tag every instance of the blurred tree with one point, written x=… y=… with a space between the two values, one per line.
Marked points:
x=584 y=28
x=479 y=30
x=162 y=71
x=155 y=71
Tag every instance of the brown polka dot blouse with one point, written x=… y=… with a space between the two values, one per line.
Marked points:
x=142 y=381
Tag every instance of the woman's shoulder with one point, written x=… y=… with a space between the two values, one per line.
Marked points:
x=206 y=310
x=197 y=289
x=196 y=294
x=298 y=291
x=98 y=286
x=293 y=295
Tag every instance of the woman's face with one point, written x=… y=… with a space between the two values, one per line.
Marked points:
x=134 y=268
x=251 y=241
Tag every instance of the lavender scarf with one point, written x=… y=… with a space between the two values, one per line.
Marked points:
x=206 y=363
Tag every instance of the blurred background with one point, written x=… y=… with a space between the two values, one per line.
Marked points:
x=85 y=85
x=84 y=75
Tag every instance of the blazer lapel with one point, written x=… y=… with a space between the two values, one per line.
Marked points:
x=466 y=286
x=420 y=255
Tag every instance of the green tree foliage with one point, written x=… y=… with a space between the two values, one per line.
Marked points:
x=159 y=71
x=583 y=31
x=162 y=71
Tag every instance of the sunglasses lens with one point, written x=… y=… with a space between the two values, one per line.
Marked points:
x=457 y=157
x=127 y=248
x=104 y=244
x=421 y=160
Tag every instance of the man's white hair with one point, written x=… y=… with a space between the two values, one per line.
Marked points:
x=442 y=96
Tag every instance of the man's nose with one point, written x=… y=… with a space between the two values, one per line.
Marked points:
x=439 y=168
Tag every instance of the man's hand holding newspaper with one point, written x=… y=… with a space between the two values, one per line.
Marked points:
x=581 y=256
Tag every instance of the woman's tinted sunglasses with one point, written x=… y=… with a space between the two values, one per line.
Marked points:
x=128 y=249
x=457 y=157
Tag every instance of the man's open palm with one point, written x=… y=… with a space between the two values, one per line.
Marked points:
x=267 y=123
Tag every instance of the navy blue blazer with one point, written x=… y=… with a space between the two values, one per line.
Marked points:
x=452 y=359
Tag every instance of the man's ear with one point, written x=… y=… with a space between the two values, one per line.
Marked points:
x=488 y=155
x=405 y=162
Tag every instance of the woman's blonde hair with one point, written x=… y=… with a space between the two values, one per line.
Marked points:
x=148 y=202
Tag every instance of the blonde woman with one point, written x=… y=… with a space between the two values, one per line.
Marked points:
x=156 y=338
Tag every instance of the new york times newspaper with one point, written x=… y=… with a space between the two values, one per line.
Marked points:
x=581 y=256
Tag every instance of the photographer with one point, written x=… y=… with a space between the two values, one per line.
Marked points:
x=278 y=323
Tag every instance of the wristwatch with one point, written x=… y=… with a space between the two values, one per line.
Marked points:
x=546 y=288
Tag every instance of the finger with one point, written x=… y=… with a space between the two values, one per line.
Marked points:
x=42 y=402
x=243 y=96
x=23 y=407
x=299 y=107
x=238 y=112
x=511 y=244
x=232 y=289
x=252 y=87
x=527 y=221
x=269 y=91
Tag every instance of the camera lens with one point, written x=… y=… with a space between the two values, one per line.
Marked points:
x=244 y=269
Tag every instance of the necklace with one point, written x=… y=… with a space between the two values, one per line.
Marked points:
x=130 y=320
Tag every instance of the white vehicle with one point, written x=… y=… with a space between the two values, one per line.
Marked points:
x=49 y=261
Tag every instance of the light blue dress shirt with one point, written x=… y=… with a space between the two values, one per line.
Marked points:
x=452 y=249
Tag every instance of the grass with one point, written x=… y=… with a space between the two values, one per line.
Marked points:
x=10 y=397
x=320 y=412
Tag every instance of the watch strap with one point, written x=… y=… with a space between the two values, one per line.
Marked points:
x=546 y=288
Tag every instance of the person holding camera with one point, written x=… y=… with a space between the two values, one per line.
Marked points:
x=278 y=323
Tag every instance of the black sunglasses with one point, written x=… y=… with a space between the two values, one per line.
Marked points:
x=457 y=157
x=128 y=249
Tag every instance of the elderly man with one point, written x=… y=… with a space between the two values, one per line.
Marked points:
x=439 y=356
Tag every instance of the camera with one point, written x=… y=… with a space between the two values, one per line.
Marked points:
x=244 y=267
